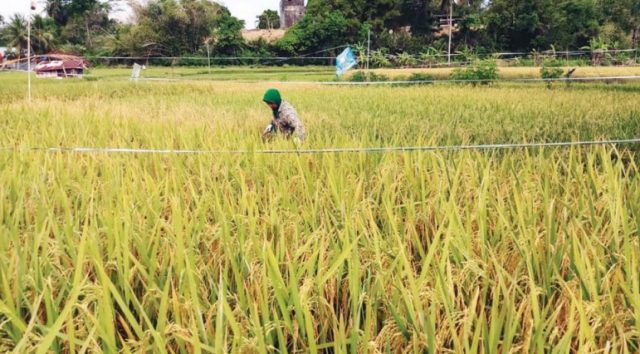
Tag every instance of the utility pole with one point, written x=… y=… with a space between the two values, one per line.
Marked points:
x=635 y=33
x=450 y=30
x=209 y=56
x=368 y=47
x=31 y=8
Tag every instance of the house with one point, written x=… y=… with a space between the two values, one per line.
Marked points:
x=291 y=11
x=60 y=67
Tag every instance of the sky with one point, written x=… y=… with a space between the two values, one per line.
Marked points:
x=246 y=10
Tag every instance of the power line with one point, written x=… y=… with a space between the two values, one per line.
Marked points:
x=303 y=56
x=309 y=56
x=398 y=82
x=206 y=58
x=373 y=83
x=406 y=82
x=376 y=150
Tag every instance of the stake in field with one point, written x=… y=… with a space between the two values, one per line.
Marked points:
x=531 y=250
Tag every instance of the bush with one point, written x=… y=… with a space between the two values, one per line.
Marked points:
x=406 y=60
x=551 y=74
x=361 y=76
x=420 y=77
x=358 y=76
x=553 y=63
x=379 y=59
x=414 y=79
x=482 y=72
x=373 y=77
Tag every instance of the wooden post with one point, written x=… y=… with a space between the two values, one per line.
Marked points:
x=31 y=8
x=450 y=30
x=368 y=47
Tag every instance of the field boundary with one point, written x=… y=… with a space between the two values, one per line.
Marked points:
x=405 y=82
x=374 y=150
x=390 y=82
x=314 y=56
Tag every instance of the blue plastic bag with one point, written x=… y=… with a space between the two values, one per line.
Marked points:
x=345 y=61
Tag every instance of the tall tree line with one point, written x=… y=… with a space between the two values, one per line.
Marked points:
x=187 y=27
x=496 y=25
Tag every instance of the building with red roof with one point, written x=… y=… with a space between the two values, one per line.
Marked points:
x=59 y=67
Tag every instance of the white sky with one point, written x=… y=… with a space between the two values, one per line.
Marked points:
x=246 y=10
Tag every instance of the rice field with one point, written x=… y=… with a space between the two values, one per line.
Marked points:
x=327 y=73
x=513 y=251
x=512 y=73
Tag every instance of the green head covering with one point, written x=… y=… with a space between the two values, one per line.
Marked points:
x=273 y=96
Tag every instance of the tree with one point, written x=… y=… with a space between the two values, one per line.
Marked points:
x=523 y=25
x=333 y=22
x=311 y=33
x=624 y=15
x=81 y=22
x=516 y=25
x=419 y=15
x=64 y=10
x=42 y=34
x=175 y=28
x=572 y=23
x=57 y=9
x=228 y=37
x=15 y=34
x=269 y=20
x=179 y=27
x=1 y=30
x=85 y=31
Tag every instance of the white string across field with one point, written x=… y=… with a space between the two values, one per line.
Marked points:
x=419 y=57
x=315 y=56
x=352 y=150
x=625 y=78
x=389 y=82
x=571 y=79
x=394 y=82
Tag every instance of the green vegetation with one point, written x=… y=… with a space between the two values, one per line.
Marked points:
x=506 y=251
x=319 y=73
x=270 y=19
x=14 y=34
x=480 y=73
x=371 y=76
x=551 y=73
x=420 y=77
x=507 y=73
x=405 y=33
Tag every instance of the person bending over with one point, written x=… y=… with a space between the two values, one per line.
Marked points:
x=285 y=118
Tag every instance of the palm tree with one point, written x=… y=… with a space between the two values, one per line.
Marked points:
x=41 y=35
x=15 y=33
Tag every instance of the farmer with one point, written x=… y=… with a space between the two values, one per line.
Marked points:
x=285 y=118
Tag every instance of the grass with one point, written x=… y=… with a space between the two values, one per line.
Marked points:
x=510 y=73
x=499 y=252
x=221 y=73
x=323 y=73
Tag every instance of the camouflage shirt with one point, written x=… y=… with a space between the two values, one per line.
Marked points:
x=287 y=121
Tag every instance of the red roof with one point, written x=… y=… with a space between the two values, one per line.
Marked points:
x=60 y=65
